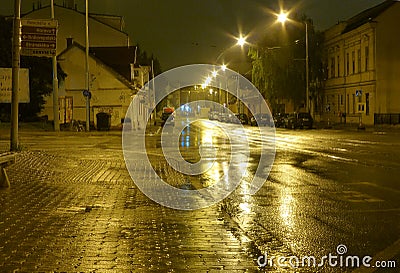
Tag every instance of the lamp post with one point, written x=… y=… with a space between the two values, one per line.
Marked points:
x=307 y=73
x=282 y=18
x=55 y=84
x=87 y=66
x=15 y=75
x=240 y=41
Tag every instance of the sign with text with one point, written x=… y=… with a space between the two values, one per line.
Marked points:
x=39 y=37
x=6 y=85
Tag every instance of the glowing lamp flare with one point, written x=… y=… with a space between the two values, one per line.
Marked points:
x=241 y=41
x=282 y=17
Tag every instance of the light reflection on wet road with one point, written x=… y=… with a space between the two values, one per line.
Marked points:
x=326 y=188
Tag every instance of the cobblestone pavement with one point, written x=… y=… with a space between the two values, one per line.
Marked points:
x=72 y=207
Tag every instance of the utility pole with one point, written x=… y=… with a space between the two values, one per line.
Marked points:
x=237 y=93
x=153 y=100
x=55 y=84
x=87 y=68
x=15 y=75
x=307 y=73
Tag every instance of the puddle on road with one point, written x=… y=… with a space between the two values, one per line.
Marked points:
x=79 y=209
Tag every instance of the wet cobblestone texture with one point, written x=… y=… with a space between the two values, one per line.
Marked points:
x=72 y=207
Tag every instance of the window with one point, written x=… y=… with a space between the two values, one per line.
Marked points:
x=358 y=60
x=354 y=103
x=338 y=66
x=367 y=104
x=332 y=67
x=348 y=103
x=353 y=62
x=341 y=99
x=347 y=64
x=366 y=58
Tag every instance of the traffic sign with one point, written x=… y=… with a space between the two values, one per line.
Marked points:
x=87 y=93
x=39 y=37
x=327 y=108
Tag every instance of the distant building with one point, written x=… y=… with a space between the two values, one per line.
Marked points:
x=114 y=77
x=362 y=60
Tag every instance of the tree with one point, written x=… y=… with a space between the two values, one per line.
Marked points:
x=40 y=84
x=143 y=59
x=5 y=42
x=278 y=62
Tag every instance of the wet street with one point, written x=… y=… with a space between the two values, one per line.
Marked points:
x=72 y=206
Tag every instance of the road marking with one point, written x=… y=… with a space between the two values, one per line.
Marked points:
x=376 y=210
x=357 y=197
x=375 y=185
x=384 y=255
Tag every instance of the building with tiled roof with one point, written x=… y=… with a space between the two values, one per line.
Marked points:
x=114 y=76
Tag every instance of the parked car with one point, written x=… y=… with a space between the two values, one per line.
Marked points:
x=261 y=120
x=242 y=118
x=299 y=120
x=279 y=119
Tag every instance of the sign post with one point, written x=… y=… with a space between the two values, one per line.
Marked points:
x=55 y=82
x=15 y=76
x=39 y=37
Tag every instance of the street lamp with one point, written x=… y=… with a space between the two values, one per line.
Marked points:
x=241 y=40
x=282 y=18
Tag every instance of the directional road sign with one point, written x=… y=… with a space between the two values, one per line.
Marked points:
x=39 y=37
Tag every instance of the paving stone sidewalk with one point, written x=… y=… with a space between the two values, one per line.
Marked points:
x=72 y=207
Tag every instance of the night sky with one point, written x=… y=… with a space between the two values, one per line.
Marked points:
x=182 y=32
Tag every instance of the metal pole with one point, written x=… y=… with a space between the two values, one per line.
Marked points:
x=153 y=101
x=87 y=67
x=226 y=94
x=237 y=94
x=15 y=76
x=307 y=73
x=219 y=92
x=55 y=84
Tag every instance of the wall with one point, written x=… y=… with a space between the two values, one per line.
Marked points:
x=108 y=93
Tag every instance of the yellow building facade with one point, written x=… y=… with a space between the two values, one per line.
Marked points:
x=361 y=60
